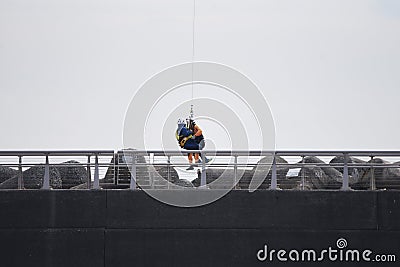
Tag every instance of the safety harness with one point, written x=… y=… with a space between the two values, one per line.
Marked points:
x=181 y=139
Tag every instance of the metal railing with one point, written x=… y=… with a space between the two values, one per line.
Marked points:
x=33 y=159
x=133 y=169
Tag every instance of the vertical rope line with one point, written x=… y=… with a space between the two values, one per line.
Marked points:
x=193 y=45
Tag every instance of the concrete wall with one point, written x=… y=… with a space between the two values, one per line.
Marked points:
x=125 y=228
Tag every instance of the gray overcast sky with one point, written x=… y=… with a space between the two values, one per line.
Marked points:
x=329 y=69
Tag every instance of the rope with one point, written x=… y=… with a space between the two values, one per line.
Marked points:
x=193 y=53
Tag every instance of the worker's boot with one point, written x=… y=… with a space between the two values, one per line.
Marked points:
x=206 y=159
x=191 y=167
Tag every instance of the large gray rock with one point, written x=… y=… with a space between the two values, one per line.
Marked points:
x=147 y=176
x=121 y=171
x=318 y=177
x=263 y=170
x=385 y=178
x=6 y=173
x=72 y=176
x=183 y=183
x=162 y=172
x=225 y=178
x=359 y=178
x=79 y=187
x=220 y=178
x=159 y=176
x=353 y=171
x=33 y=179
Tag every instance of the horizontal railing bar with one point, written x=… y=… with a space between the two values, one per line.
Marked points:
x=209 y=152
x=263 y=152
x=208 y=164
x=57 y=153
x=185 y=152
x=114 y=161
x=338 y=153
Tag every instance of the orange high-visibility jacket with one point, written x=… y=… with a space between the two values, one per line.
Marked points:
x=197 y=131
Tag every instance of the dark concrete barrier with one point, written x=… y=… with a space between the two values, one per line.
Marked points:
x=241 y=209
x=389 y=210
x=128 y=228
x=52 y=247
x=52 y=209
x=239 y=247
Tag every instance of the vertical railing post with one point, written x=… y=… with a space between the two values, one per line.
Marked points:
x=373 y=181
x=274 y=180
x=116 y=168
x=345 y=185
x=133 y=172
x=169 y=170
x=89 y=174
x=117 y=161
x=235 y=170
x=46 y=178
x=303 y=175
x=96 y=182
x=151 y=170
x=203 y=179
x=20 y=174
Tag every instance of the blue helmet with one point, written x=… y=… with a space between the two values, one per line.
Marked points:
x=181 y=124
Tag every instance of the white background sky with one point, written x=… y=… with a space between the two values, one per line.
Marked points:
x=330 y=69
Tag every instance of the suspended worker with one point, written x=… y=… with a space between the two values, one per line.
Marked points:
x=190 y=140
x=198 y=137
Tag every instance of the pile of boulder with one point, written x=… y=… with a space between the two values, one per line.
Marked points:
x=6 y=173
x=63 y=177
x=314 y=174
x=148 y=176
